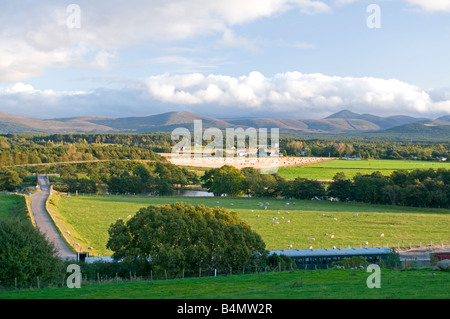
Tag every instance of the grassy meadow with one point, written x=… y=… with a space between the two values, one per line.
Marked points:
x=327 y=170
x=11 y=205
x=307 y=284
x=88 y=218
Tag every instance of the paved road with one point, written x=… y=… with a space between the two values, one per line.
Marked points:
x=44 y=222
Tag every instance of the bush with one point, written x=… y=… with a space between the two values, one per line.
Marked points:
x=25 y=255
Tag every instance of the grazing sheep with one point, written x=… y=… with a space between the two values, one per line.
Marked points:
x=287 y=212
x=68 y=232
x=367 y=243
x=257 y=216
x=289 y=246
x=310 y=247
x=278 y=212
x=332 y=236
x=91 y=247
x=288 y=221
x=251 y=211
x=325 y=234
x=312 y=239
x=129 y=216
x=322 y=214
x=334 y=247
x=335 y=218
x=276 y=223
x=382 y=235
x=287 y=203
x=356 y=214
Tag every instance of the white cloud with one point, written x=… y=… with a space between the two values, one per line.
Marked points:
x=35 y=36
x=295 y=92
x=431 y=5
x=284 y=95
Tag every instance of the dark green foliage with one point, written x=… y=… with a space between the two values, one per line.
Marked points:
x=25 y=255
x=179 y=237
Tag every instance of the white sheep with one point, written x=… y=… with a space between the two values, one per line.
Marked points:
x=289 y=246
x=276 y=223
x=310 y=247
x=288 y=221
x=312 y=239
x=325 y=234
x=335 y=218
x=332 y=236
x=367 y=243
x=334 y=247
x=278 y=212
x=382 y=235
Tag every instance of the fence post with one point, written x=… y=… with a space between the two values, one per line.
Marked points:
x=200 y=272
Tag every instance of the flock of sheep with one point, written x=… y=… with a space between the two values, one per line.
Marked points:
x=277 y=220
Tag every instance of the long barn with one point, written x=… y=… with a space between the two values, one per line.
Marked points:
x=323 y=258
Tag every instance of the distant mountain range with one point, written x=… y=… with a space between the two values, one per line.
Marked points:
x=342 y=122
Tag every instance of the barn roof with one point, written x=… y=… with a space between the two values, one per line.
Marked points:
x=331 y=252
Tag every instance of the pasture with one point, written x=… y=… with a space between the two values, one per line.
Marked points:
x=85 y=221
x=316 y=284
x=327 y=170
x=12 y=205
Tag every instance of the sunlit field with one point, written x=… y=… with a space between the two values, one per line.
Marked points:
x=327 y=170
x=320 y=224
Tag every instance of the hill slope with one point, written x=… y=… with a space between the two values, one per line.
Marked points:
x=342 y=122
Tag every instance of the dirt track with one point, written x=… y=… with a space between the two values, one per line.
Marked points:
x=45 y=223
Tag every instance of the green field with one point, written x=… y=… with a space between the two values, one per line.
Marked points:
x=88 y=218
x=327 y=170
x=309 y=284
x=12 y=205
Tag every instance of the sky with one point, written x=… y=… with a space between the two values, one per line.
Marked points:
x=224 y=58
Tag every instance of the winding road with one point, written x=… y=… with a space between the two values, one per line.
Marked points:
x=45 y=224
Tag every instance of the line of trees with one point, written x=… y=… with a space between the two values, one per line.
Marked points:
x=421 y=188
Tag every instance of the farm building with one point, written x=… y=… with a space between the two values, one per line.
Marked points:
x=322 y=258
x=442 y=255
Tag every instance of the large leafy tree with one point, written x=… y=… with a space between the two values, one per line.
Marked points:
x=25 y=255
x=181 y=237
x=225 y=180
